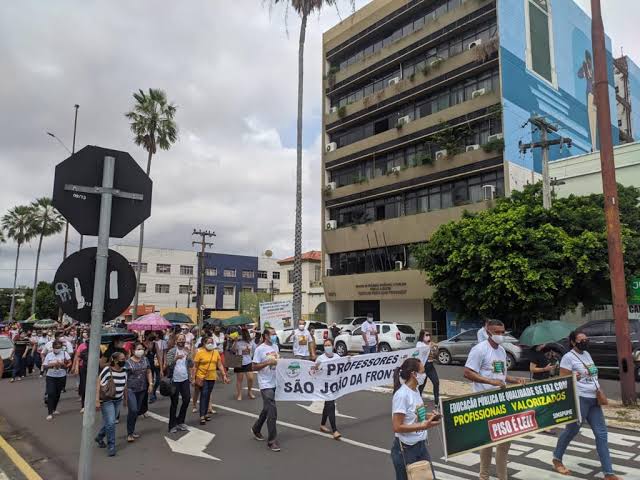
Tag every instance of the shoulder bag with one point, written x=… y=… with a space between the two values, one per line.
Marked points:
x=108 y=390
x=601 y=398
x=420 y=470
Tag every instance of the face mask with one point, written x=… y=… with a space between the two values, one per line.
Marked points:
x=181 y=344
x=120 y=363
x=57 y=350
x=210 y=346
x=421 y=377
x=301 y=327
x=328 y=350
x=499 y=339
x=274 y=339
x=139 y=353
x=370 y=320
x=583 y=345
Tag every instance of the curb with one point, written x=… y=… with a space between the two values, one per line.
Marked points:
x=20 y=463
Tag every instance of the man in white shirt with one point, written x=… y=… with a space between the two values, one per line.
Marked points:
x=265 y=359
x=486 y=367
x=482 y=332
x=304 y=346
x=369 y=335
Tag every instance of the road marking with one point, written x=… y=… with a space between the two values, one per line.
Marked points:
x=585 y=466
x=193 y=443
x=318 y=406
x=18 y=461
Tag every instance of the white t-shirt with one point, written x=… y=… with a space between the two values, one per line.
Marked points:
x=266 y=376
x=52 y=357
x=407 y=401
x=489 y=362
x=66 y=346
x=588 y=383
x=371 y=330
x=424 y=354
x=189 y=337
x=482 y=335
x=219 y=341
x=301 y=341
x=324 y=358
x=180 y=372
x=243 y=348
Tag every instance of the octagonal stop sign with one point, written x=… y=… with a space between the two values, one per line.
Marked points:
x=82 y=208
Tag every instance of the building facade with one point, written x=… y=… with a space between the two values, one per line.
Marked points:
x=424 y=105
x=627 y=78
x=313 y=298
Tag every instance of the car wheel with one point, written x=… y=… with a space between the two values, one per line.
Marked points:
x=511 y=361
x=341 y=349
x=384 y=347
x=444 y=357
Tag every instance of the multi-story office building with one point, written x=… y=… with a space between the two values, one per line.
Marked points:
x=424 y=104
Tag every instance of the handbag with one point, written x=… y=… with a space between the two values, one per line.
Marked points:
x=231 y=360
x=108 y=390
x=420 y=470
x=166 y=387
x=601 y=397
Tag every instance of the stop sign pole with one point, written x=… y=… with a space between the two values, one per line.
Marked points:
x=107 y=192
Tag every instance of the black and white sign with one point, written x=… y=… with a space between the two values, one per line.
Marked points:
x=74 y=280
x=75 y=197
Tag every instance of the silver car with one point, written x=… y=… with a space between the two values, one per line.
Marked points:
x=6 y=350
x=457 y=348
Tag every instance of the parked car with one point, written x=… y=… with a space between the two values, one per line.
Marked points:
x=391 y=336
x=319 y=330
x=457 y=348
x=6 y=350
x=349 y=324
x=602 y=344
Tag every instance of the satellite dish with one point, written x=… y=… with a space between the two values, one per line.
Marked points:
x=268 y=253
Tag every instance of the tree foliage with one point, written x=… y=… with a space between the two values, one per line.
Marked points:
x=46 y=306
x=520 y=262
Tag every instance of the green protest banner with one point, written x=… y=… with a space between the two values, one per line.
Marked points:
x=471 y=422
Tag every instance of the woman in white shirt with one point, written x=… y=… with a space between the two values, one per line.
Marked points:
x=329 y=410
x=410 y=420
x=424 y=341
x=56 y=362
x=244 y=347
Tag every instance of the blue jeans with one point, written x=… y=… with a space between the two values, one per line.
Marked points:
x=135 y=400
x=110 y=410
x=592 y=413
x=412 y=454
x=18 y=366
x=367 y=349
x=205 y=396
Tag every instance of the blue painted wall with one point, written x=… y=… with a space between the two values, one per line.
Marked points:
x=221 y=262
x=524 y=92
x=634 y=90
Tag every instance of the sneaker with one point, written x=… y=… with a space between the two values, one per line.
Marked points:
x=174 y=430
x=257 y=435
x=135 y=435
x=82 y=410
x=274 y=446
x=49 y=417
x=112 y=452
x=20 y=378
x=12 y=380
x=194 y=409
x=100 y=442
x=56 y=412
x=183 y=428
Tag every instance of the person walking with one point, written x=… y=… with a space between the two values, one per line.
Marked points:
x=21 y=348
x=304 y=346
x=579 y=361
x=112 y=379
x=56 y=362
x=540 y=366
x=409 y=418
x=265 y=360
x=206 y=364
x=180 y=370
x=139 y=386
x=425 y=342
x=329 y=410
x=243 y=347
x=369 y=335
x=80 y=361
x=486 y=367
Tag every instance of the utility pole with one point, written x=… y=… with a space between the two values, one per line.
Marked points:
x=73 y=150
x=545 y=127
x=203 y=245
x=611 y=211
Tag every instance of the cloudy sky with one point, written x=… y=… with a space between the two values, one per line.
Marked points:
x=230 y=68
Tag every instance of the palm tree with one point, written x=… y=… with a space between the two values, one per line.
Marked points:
x=19 y=226
x=47 y=222
x=304 y=8
x=153 y=126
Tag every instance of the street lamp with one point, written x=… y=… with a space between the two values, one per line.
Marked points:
x=59 y=141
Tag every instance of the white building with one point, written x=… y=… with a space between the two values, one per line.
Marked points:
x=168 y=276
x=312 y=291
x=268 y=275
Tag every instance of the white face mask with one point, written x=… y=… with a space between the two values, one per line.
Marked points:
x=421 y=377
x=328 y=350
x=57 y=350
x=210 y=346
x=139 y=353
x=301 y=327
x=370 y=320
x=499 y=339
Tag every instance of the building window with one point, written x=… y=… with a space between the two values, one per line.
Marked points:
x=142 y=288
x=211 y=272
x=186 y=269
x=290 y=276
x=262 y=274
x=540 y=39
x=162 y=288
x=275 y=275
x=163 y=268
x=317 y=273
x=229 y=291
x=229 y=273
x=276 y=291
x=261 y=290
x=209 y=289
x=247 y=289
x=247 y=274
x=184 y=289
x=143 y=266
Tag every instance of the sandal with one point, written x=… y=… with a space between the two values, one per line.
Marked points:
x=337 y=435
x=560 y=468
x=130 y=439
x=203 y=421
x=324 y=429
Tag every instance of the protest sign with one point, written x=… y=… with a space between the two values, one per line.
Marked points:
x=302 y=380
x=276 y=315
x=471 y=422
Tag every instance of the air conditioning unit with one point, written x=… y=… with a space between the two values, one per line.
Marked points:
x=331 y=186
x=441 y=154
x=478 y=93
x=488 y=192
x=403 y=120
x=399 y=265
x=333 y=110
x=497 y=136
x=435 y=62
x=396 y=169
x=393 y=81
x=471 y=148
x=332 y=146
x=475 y=43
x=331 y=225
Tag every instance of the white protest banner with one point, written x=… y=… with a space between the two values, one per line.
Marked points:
x=276 y=315
x=302 y=380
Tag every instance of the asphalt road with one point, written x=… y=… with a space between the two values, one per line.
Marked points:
x=224 y=447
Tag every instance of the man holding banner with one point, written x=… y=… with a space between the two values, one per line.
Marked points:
x=486 y=367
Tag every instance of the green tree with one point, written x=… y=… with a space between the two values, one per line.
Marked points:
x=520 y=262
x=45 y=301
x=47 y=222
x=19 y=226
x=153 y=126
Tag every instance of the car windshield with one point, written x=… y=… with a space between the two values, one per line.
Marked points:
x=406 y=329
x=346 y=321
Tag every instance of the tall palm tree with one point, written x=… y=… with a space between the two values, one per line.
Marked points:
x=153 y=126
x=304 y=8
x=19 y=226
x=47 y=222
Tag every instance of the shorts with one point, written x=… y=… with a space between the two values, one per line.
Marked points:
x=243 y=369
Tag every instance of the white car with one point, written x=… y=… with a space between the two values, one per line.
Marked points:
x=6 y=350
x=349 y=324
x=319 y=330
x=391 y=336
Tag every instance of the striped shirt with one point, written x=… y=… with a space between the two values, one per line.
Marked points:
x=119 y=378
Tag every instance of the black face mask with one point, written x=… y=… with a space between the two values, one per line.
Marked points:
x=121 y=363
x=181 y=344
x=583 y=345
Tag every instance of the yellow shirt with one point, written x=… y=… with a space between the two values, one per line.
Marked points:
x=207 y=363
